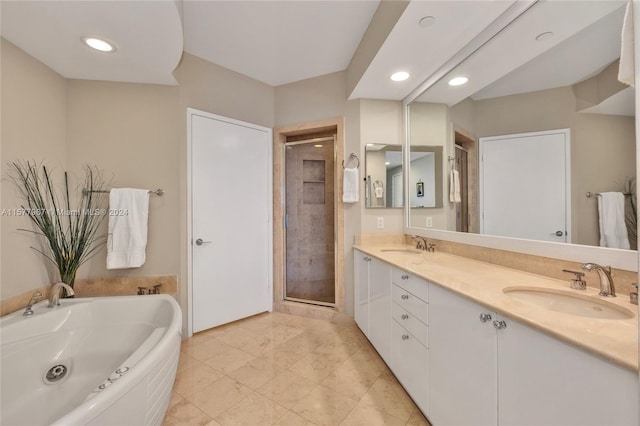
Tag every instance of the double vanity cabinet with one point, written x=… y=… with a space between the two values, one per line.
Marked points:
x=464 y=364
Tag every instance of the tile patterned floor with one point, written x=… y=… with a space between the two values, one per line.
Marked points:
x=279 y=369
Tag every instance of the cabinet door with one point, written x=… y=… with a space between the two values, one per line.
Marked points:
x=380 y=308
x=543 y=381
x=462 y=362
x=361 y=290
x=410 y=364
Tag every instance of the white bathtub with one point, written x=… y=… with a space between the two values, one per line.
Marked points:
x=120 y=356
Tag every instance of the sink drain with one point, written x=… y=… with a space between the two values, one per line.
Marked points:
x=56 y=373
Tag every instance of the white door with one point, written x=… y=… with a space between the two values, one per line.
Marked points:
x=524 y=186
x=231 y=219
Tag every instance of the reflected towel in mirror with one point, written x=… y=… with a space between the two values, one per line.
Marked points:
x=613 y=229
x=454 y=186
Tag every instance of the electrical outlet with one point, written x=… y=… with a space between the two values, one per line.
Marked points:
x=380 y=222
x=429 y=222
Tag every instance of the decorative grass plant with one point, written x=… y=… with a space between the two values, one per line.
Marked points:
x=631 y=215
x=72 y=234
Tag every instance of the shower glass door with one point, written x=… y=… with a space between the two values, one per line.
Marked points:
x=309 y=221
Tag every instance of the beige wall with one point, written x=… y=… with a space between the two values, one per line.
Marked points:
x=604 y=155
x=430 y=125
x=311 y=100
x=33 y=128
x=380 y=123
x=131 y=132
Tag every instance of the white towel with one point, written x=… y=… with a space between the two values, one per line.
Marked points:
x=454 y=186
x=626 y=71
x=351 y=185
x=127 y=240
x=613 y=230
x=379 y=192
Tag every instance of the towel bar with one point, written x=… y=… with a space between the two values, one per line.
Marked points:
x=355 y=157
x=159 y=192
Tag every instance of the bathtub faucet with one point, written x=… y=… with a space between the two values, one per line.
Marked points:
x=54 y=295
x=27 y=310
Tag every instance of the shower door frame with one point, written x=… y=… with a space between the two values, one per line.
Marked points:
x=336 y=127
x=335 y=244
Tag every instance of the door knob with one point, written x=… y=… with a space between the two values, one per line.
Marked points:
x=199 y=242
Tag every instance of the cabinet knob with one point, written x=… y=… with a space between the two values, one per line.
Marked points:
x=404 y=296
x=405 y=316
x=405 y=337
x=366 y=259
x=484 y=317
x=405 y=277
x=499 y=325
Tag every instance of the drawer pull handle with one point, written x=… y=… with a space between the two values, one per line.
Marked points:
x=405 y=316
x=405 y=277
x=499 y=325
x=405 y=337
x=404 y=296
x=485 y=317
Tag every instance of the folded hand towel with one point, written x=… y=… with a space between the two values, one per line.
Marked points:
x=454 y=186
x=351 y=185
x=626 y=70
x=613 y=230
x=127 y=240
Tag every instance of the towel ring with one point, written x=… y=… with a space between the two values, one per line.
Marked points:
x=352 y=156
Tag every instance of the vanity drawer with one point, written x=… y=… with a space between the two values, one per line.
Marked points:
x=409 y=302
x=411 y=283
x=411 y=323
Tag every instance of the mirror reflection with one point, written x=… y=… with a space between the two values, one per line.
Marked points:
x=425 y=176
x=564 y=83
x=384 y=179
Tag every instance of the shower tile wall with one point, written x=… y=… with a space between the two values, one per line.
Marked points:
x=310 y=223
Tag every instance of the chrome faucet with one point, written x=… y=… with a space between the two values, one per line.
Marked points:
x=34 y=298
x=54 y=295
x=421 y=242
x=606 y=280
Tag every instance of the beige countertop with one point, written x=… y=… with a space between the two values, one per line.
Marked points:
x=613 y=339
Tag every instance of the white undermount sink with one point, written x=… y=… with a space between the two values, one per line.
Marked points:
x=569 y=302
x=402 y=250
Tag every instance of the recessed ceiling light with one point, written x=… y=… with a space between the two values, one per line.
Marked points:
x=400 y=76
x=99 y=44
x=544 y=36
x=458 y=81
x=427 y=21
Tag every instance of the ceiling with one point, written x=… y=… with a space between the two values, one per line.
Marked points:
x=586 y=39
x=148 y=35
x=279 y=42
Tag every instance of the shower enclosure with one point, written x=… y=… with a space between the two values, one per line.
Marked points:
x=309 y=221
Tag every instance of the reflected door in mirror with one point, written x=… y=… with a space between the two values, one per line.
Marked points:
x=523 y=185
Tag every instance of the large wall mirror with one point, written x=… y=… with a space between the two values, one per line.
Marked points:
x=554 y=68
